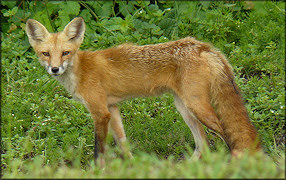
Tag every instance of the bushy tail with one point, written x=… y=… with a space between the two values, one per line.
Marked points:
x=228 y=102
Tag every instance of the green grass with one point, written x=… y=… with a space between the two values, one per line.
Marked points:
x=47 y=134
x=212 y=165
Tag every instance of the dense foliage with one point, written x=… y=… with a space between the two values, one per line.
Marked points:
x=42 y=124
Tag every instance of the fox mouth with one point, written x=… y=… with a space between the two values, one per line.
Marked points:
x=57 y=74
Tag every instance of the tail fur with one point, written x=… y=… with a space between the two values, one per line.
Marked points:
x=228 y=102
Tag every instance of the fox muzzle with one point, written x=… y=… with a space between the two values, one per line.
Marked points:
x=55 y=71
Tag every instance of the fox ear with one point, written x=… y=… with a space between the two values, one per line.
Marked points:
x=75 y=29
x=36 y=31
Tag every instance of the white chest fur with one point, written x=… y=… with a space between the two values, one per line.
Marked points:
x=68 y=80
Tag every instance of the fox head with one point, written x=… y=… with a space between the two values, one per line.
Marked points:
x=56 y=50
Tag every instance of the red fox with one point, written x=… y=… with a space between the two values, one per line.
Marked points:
x=199 y=76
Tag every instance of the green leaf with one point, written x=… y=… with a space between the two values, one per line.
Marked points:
x=127 y=9
x=206 y=4
x=138 y=24
x=167 y=23
x=6 y=13
x=42 y=17
x=11 y=12
x=104 y=10
x=74 y=7
x=70 y=8
x=67 y=11
x=10 y=4
x=63 y=20
x=229 y=5
x=85 y=15
x=14 y=10
x=153 y=7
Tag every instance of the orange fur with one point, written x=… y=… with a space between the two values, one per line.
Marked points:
x=199 y=76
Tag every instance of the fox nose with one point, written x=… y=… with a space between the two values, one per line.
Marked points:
x=55 y=69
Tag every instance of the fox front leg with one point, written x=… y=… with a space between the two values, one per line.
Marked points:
x=100 y=130
x=96 y=102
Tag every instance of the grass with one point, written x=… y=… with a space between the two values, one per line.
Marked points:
x=212 y=165
x=47 y=134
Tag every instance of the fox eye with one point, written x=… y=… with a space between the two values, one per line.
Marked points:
x=65 y=53
x=46 y=53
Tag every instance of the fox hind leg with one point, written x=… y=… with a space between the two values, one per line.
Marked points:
x=194 y=93
x=118 y=130
x=196 y=128
x=207 y=116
